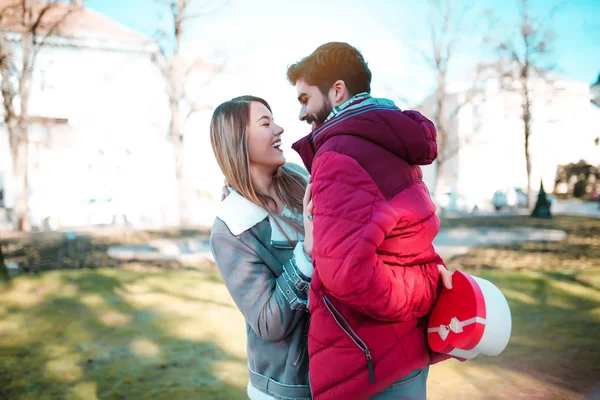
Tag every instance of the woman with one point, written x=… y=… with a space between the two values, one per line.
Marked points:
x=261 y=248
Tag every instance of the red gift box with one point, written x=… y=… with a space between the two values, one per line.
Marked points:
x=471 y=318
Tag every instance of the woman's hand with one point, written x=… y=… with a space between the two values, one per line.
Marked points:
x=225 y=190
x=308 y=223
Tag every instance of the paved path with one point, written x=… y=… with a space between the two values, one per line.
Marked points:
x=448 y=243
x=186 y=250
x=456 y=241
x=575 y=207
x=560 y=207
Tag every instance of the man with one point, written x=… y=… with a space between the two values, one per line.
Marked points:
x=377 y=275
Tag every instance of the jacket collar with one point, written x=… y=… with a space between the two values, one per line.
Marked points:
x=240 y=215
x=359 y=98
x=357 y=105
x=305 y=148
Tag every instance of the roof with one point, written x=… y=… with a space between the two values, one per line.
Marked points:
x=79 y=22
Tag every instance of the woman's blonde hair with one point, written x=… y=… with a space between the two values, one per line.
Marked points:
x=229 y=140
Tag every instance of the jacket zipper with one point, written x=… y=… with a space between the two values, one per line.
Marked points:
x=345 y=326
x=303 y=346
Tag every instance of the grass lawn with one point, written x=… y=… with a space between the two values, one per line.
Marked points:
x=114 y=334
x=124 y=333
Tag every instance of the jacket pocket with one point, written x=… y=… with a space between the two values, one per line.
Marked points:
x=345 y=326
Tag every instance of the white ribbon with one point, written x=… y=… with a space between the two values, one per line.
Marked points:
x=455 y=326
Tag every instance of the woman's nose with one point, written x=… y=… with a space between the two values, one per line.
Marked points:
x=278 y=130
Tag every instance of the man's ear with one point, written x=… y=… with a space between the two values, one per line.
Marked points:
x=339 y=92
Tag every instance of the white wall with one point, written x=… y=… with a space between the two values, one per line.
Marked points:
x=115 y=143
x=562 y=132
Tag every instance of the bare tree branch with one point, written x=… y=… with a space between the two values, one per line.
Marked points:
x=196 y=108
x=28 y=19
x=36 y=24
x=446 y=26
x=176 y=72
x=205 y=13
x=535 y=39
x=427 y=58
x=38 y=44
x=55 y=27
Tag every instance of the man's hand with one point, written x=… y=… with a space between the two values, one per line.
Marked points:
x=446 y=276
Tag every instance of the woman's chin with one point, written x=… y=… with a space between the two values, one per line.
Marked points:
x=279 y=164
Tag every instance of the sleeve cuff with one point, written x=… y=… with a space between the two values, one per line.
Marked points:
x=303 y=262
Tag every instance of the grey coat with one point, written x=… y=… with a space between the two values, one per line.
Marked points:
x=268 y=280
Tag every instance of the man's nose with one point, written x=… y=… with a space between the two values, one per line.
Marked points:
x=303 y=114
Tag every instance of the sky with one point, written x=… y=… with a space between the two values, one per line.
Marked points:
x=260 y=38
x=247 y=23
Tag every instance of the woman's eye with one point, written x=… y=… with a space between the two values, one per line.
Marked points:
x=267 y=124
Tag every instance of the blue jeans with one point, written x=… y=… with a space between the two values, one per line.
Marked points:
x=411 y=387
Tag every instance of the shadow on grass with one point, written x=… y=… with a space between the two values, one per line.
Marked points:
x=553 y=289
x=555 y=332
x=579 y=251
x=77 y=335
x=577 y=277
x=44 y=251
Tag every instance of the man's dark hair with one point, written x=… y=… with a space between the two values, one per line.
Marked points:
x=331 y=62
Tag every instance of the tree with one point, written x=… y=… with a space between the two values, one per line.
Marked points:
x=528 y=51
x=577 y=179
x=542 y=206
x=4 y=276
x=25 y=28
x=447 y=26
x=176 y=70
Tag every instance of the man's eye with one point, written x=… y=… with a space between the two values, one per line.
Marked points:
x=266 y=124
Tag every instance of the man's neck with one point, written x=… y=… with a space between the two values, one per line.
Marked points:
x=343 y=101
x=340 y=107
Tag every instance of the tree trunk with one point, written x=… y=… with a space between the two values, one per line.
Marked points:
x=440 y=123
x=528 y=162
x=17 y=122
x=22 y=162
x=177 y=87
x=4 y=276
x=527 y=131
x=438 y=185
x=21 y=214
x=176 y=134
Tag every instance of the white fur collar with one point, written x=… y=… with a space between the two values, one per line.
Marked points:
x=240 y=214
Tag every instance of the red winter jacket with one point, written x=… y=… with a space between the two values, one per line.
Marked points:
x=376 y=272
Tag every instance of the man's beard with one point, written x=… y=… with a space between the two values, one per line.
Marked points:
x=321 y=115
